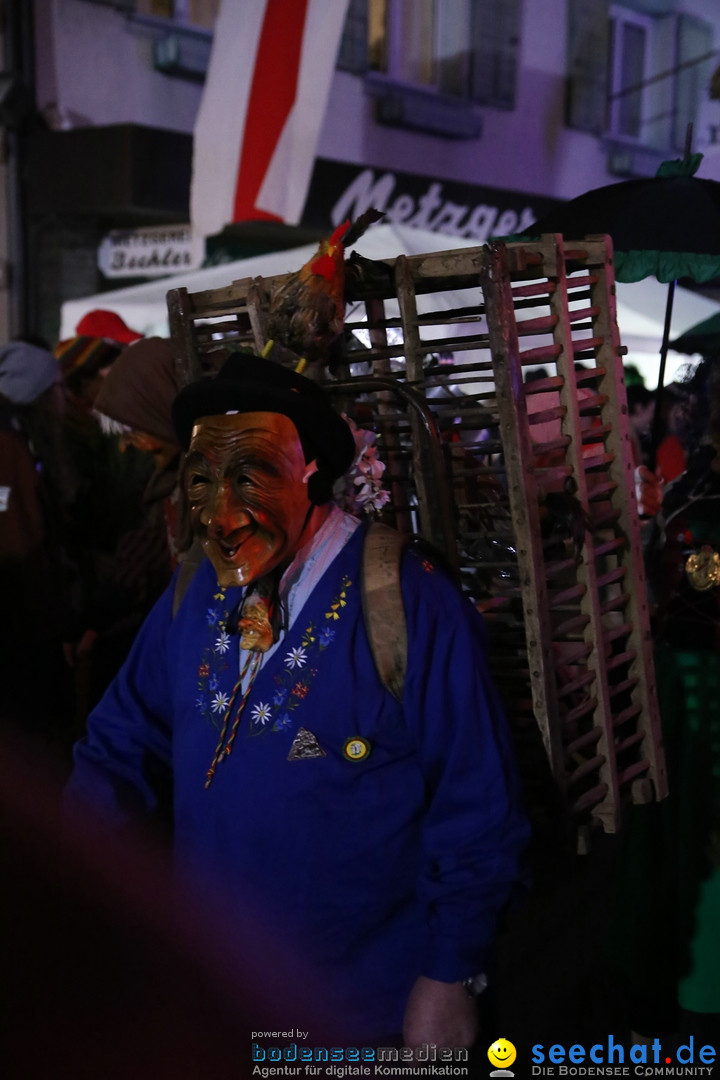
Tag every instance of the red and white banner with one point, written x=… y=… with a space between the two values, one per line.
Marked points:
x=262 y=109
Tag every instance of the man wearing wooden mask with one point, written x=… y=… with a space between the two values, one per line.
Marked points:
x=380 y=831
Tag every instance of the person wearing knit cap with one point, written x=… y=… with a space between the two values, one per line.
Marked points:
x=378 y=830
x=84 y=362
x=32 y=570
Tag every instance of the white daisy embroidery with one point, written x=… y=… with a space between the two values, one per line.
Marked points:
x=223 y=642
x=220 y=702
x=296 y=658
x=261 y=713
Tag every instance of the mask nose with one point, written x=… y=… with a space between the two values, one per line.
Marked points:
x=223 y=515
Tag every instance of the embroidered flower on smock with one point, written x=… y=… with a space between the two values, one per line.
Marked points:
x=261 y=713
x=220 y=702
x=294 y=682
x=214 y=670
x=340 y=600
x=212 y=616
x=296 y=658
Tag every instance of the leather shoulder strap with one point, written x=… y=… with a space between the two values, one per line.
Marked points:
x=382 y=604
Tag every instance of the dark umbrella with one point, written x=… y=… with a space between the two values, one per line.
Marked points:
x=703 y=338
x=666 y=226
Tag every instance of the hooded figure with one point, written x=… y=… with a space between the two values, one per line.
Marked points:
x=149 y=523
x=135 y=402
x=26 y=372
x=32 y=569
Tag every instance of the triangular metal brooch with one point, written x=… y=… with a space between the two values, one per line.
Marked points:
x=305 y=745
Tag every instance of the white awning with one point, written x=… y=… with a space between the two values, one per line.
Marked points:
x=641 y=305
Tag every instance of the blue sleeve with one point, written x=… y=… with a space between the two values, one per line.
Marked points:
x=122 y=768
x=475 y=829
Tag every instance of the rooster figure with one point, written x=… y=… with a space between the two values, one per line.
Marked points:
x=307 y=312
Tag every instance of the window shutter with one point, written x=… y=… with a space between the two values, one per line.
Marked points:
x=694 y=39
x=353 y=52
x=587 y=61
x=496 y=40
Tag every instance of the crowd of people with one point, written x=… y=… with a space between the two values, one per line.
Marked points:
x=668 y=885
x=383 y=841
x=91 y=525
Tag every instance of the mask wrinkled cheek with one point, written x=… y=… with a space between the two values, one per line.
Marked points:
x=196 y=513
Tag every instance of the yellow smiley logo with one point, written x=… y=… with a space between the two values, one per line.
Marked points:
x=502 y=1053
x=356 y=748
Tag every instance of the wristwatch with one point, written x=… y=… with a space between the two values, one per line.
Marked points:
x=475 y=984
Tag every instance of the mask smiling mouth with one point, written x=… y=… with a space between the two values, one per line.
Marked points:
x=227 y=550
x=228 y=546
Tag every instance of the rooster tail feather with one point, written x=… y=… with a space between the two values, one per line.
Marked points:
x=361 y=225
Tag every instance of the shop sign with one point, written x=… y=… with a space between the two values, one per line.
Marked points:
x=339 y=190
x=149 y=253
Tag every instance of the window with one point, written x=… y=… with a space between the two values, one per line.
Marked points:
x=459 y=48
x=354 y=49
x=636 y=72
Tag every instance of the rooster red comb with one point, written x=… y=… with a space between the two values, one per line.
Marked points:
x=339 y=233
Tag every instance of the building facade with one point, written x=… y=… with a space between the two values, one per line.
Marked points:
x=463 y=116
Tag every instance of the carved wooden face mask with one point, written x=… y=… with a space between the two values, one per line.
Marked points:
x=246 y=480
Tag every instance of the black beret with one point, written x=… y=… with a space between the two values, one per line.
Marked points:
x=247 y=383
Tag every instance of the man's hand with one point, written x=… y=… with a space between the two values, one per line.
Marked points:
x=648 y=491
x=440 y=1013
x=74 y=651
